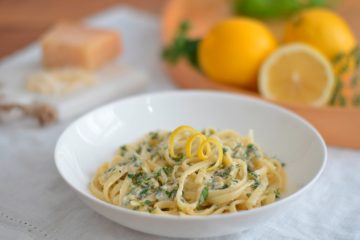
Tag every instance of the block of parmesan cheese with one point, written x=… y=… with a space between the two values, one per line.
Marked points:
x=75 y=45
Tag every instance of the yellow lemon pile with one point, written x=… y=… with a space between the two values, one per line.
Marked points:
x=243 y=52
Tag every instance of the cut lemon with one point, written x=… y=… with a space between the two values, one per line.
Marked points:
x=297 y=73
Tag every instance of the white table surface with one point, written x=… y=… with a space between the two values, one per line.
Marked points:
x=35 y=203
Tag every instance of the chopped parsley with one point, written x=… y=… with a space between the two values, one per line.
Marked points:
x=133 y=158
x=123 y=150
x=110 y=170
x=234 y=180
x=225 y=186
x=154 y=135
x=255 y=184
x=203 y=196
x=141 y=179
x=277 y=193
x=171 y=194
x=250 y=151
x=179 y=158
x=237 y=146
x=225 y=150
x=147 y=202
x=157 y=174
x=130 y=175
x=144 y=192
x=223 y=172
x=250 y=148
x=168 y=170
x=138 y=150
x=253 y=175
x=236 y=150
x=256 y=179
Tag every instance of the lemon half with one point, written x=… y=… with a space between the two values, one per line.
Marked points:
x=297 y=73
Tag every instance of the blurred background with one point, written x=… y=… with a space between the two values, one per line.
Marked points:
x=22 y=22
x=166 y=44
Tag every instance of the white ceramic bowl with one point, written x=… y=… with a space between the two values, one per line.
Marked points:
x=93 y=139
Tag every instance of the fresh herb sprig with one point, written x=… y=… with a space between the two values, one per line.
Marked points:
x=345 y=64
x=182 y=47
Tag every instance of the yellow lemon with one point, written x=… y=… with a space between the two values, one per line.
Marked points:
x=322 y=29
x=234 y=49
x=297 y=73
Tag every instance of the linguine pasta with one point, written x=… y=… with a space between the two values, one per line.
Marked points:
x=187 y=172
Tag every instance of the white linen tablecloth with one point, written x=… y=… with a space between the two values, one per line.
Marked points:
x=35 y=203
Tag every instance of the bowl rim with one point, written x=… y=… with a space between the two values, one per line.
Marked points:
x=212 y=93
